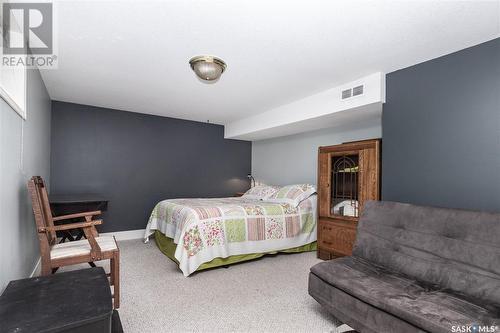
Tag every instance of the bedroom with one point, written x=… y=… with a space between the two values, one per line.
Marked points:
x=190 y=131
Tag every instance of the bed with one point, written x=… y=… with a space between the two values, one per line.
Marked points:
x=205 y=233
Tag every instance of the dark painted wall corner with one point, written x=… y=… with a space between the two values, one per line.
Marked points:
x=441 y=131
x=136 y=160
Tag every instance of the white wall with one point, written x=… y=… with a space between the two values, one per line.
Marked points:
x=293 y=159
x=24 y=152
x=322 y=110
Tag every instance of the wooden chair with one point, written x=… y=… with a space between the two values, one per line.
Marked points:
x=54 y=255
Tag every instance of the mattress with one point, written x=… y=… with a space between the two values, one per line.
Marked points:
x=205 y=229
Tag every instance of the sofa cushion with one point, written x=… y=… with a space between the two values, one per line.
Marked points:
x=422 y=305
x=456 y=249
x=356 y=313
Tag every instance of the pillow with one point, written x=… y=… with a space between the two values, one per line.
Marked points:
x=293 y=194
x=260 y=192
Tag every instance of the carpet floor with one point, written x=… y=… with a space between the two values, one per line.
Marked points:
x=264 y=295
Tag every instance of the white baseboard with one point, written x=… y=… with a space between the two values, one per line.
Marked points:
x=126 y=235
x=37 y=268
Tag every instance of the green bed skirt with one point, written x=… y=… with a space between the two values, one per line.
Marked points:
x=167 y=246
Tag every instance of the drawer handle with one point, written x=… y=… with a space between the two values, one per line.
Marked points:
x=329 y=243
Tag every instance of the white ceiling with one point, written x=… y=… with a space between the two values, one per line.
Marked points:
x=133 y=55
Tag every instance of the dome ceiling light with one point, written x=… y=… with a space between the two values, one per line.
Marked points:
x=207 y=68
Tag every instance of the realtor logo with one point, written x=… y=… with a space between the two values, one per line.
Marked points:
x=27 y=28
x=28 y=35
x=474 y=329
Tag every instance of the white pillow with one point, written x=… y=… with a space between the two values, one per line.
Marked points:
x=293 y=194
x=260 y=192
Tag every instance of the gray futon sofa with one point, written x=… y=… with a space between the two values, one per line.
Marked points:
x=416 y=269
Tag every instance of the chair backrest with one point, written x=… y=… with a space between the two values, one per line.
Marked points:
x=42 y=212
x=452 y=249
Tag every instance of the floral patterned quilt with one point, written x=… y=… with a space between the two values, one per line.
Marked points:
x=204 y=229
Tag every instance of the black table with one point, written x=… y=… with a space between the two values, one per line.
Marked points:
x=64 y=204
x=35 y=305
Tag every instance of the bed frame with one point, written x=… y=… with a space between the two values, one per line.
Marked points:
x=168 y=247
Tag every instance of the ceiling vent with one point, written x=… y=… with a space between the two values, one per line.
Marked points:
x=356 y=91
x=346 y=93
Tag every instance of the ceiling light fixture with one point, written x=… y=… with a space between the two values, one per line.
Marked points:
x=207 y=68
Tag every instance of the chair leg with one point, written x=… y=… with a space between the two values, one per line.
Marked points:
x=115 y=278
x=46 y=270
x=111 y=272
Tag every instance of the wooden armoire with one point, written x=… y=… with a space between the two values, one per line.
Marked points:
x=348 y=176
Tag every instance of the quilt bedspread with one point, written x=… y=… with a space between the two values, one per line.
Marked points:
x=204 y=229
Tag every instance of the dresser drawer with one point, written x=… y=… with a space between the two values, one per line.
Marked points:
x=337 y=237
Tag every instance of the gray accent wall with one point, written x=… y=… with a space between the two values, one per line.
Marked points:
x=24 y=152
x=136 y=160
x=441 y=130
x=294 y=159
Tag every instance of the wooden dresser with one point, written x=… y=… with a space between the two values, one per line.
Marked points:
x=348 y=176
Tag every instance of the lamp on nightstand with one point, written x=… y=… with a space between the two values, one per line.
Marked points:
x=252 y=180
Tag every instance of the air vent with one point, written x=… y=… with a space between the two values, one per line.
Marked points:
x=346 y=93
x=357 y=90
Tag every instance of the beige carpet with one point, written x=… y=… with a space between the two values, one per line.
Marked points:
x=265 y=295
